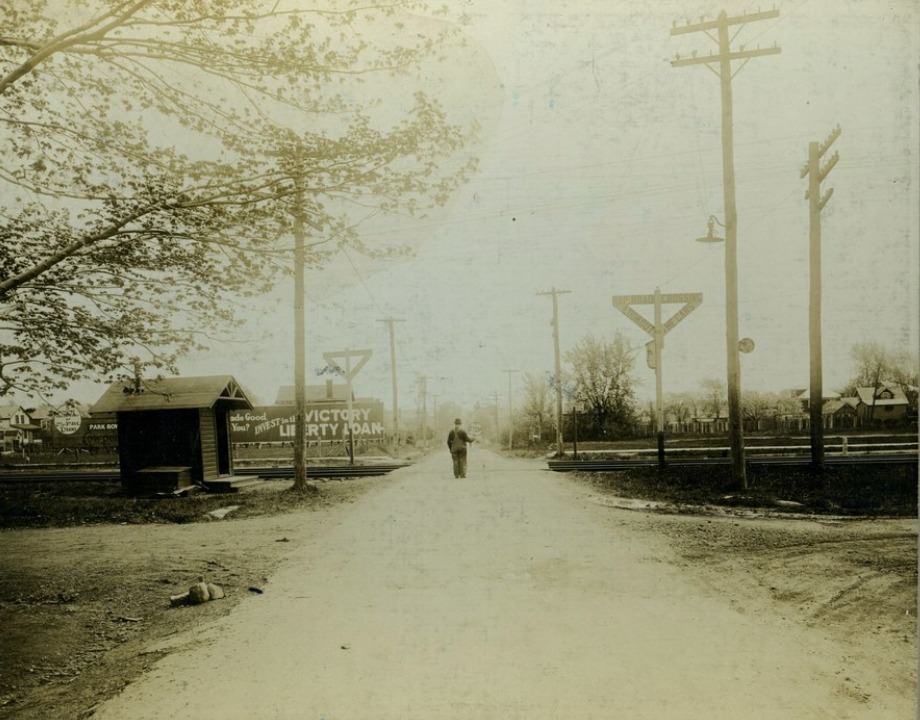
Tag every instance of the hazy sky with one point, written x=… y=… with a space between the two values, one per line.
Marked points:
x=599 y=165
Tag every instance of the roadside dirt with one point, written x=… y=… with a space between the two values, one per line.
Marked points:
x=80 y=606
x=853 y=580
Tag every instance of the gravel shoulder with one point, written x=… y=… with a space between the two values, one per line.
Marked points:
x=853 y=580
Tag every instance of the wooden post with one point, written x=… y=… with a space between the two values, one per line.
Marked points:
x=300 y=392
x=724 y=59
x=659 y=406
x=816 y=390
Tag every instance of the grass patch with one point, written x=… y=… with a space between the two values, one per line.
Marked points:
x=852 y=490
x=64 y=503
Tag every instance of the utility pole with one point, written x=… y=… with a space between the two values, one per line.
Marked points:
x=510 y=411
x=391 y=321
x=816 y=203
x=300 y=382
x=723 y=61
x=558 y=377
x=423 y=384
x=498 y=432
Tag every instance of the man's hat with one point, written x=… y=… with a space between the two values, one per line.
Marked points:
x=458 y=421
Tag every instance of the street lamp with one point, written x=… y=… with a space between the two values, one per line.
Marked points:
x=711 y=236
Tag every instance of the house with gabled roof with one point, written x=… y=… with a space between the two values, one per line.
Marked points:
x=840 y=414
x=16 y=428
x=884 y=405
x=804 y=398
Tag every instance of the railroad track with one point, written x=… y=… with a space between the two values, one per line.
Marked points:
x=794 y=461
x=269 y=473
x=323 y=471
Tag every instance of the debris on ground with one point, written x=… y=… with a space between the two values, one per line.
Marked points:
x=789 y=504
x=258 y=590
x=200 y=592
x=221 y=513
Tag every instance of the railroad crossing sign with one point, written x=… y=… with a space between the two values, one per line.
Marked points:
x=657 y=329
x=689 y=301
x=348 y=371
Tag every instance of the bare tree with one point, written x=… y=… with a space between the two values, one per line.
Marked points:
x=757 y=406
x=538 y=406
x=713 y=396
x=681 y=406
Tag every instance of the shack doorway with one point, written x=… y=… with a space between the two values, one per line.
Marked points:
x=224 y=460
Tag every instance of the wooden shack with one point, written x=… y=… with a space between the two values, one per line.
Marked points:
x=174 y=433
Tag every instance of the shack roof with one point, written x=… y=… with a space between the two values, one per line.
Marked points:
x=179 y=393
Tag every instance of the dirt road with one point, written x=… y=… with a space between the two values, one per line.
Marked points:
x=510 y=594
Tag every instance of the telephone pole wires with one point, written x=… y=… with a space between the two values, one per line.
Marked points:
x=816 y=202
x=557 y=381
x=391 y=321
x=721 y=65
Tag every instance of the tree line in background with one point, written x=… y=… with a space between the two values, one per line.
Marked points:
x=600 y=383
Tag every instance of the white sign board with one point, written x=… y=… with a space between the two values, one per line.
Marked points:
x=67 y=422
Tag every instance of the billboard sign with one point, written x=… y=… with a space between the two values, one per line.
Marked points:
x=67 y=422
x=324 y=421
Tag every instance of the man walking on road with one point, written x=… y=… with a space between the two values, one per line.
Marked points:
x=457 y=440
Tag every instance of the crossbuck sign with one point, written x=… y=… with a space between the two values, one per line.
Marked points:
x=658 y=329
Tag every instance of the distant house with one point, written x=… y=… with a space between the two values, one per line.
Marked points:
x=885 y=405
x=44 y=414
x=804 y=398
x=708 y=425
x=17 y=430
x=840 y=414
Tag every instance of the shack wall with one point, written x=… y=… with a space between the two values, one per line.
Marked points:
x=207 y=428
